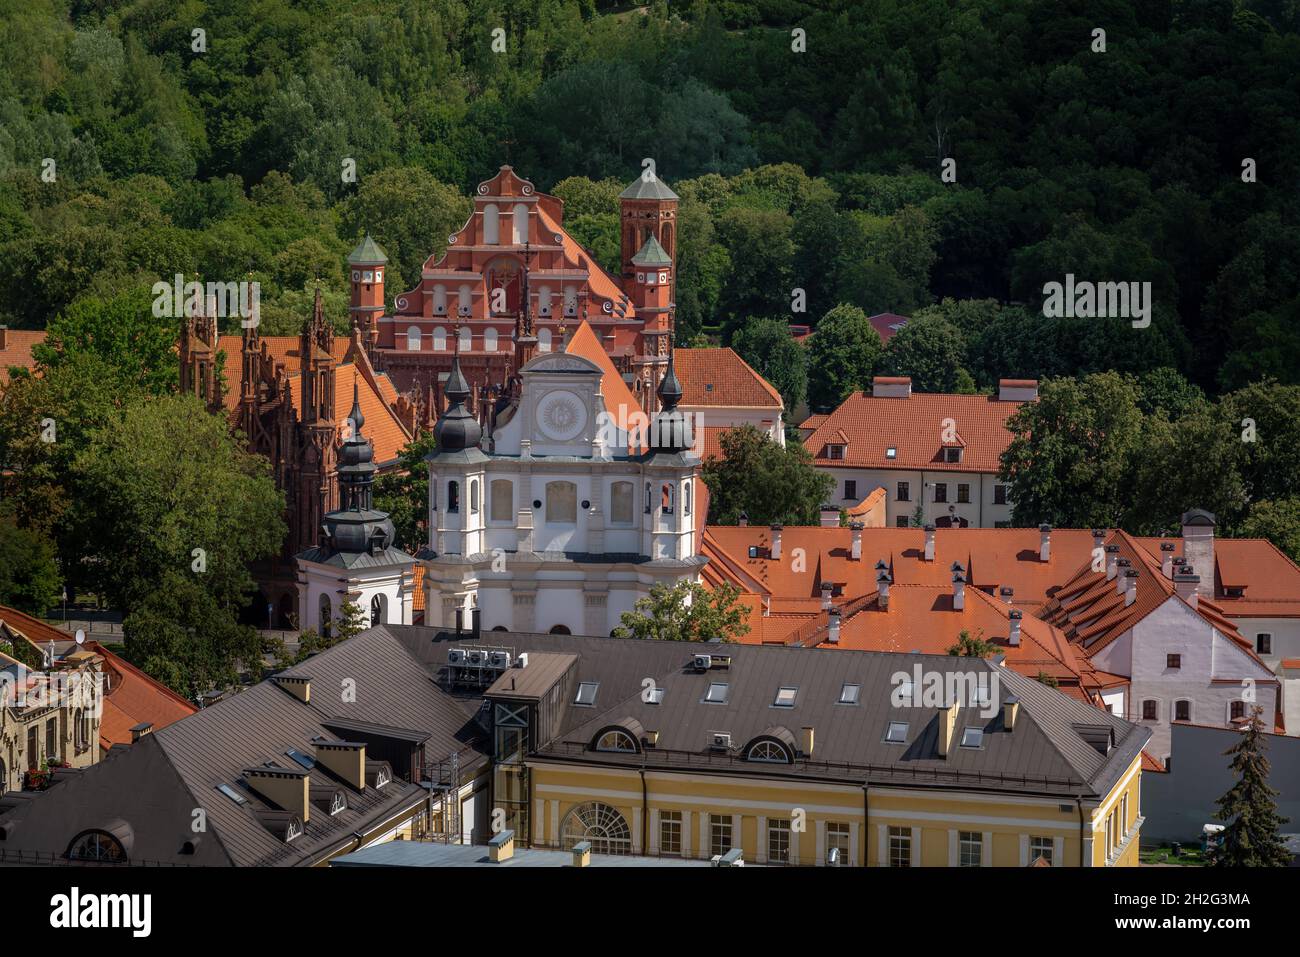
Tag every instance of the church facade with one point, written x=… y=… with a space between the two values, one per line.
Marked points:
x=513 y=258
x=559 y=520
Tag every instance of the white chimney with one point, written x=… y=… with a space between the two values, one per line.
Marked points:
x=929 y=543
x=1187 y=584
x=830 y=516
x=1044 y=543
x=958 y=591
x=775 y=551
x=1130 y=586
x=1198 y=547
x=855 y=551
x=1006 y=591
x=827 y=588
x=1167 y=559
x=891 y=387
x=833 y=626
x=1013 y=635
x=1017 y=390
x=1098 y=536
x=1112 y=556
x=882 y=589
x=743 y=520
x=1121 y=568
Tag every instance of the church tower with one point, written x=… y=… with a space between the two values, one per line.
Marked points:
x=356 y=559
x=366 y=267
x=316 y=435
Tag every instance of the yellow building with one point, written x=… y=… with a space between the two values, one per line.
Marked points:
x=805 y=756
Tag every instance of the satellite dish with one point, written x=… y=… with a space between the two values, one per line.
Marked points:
x=81 y=636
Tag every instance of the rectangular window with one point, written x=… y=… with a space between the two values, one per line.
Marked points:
x=971 y=847
x=835 y=452
x=51 y=739
x=900 y=847
x=900 y=522
x=904 y=491
x=502 y=493
x=785 y=697
x=717 y=693
x=999 y=495
x=621 y=501
x=896 y=732
x=850 y=489
x=1149 y=711
x=561 y=503
x=941 y=491
x=963 y=492
x=849 y=694
x=670 y=833
x=837 y=838
x=1041 y=847
x=778 y=840
x=1182 y=711
x=952 y=455
x=587 y=693
x=719 y=834
x=1173 y=661
x=1264 y=643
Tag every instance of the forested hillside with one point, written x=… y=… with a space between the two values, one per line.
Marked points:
x=221 y=153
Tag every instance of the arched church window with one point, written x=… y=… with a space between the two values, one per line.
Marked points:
x=666 y=499
x=326 y=616
x=503 y=500
x=649 y=507
x=453 y=496
x=466 y=339
x=686 y=498
x=490 y=340
x=413 y=338
x=491 y=225
x=544 y=340
x=378 y=605
x=520 y=225
x=668 y=239
x=463 y=299
x=440 y=300
x=439 y=339
x=473 y=495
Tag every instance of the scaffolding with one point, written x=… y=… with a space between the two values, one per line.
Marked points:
x=443 y=782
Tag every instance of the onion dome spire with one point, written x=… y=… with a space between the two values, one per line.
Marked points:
x=457 y=428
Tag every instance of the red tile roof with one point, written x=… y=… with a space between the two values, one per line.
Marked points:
x=619 y=400
x=887 y=324
x=382 y=427
x=17 y=349
x=134 y=698
x=720 y=378
x=914 y=426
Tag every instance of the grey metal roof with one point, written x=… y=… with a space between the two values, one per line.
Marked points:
x=641 y=188
x=410 y=854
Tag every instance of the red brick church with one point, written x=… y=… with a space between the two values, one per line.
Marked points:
x=512 y=283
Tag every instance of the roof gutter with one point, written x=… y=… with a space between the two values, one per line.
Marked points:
x=645 y=813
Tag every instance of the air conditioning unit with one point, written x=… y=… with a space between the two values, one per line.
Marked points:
x=499 y=659
x=477 y=659
x=703 y=662
x=456 y=656
x=719 y=741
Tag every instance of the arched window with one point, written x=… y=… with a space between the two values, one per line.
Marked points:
x=666 y=499
x=614 y=740
x=544 y=340
x=543 y=300
x=79 y=731
x=620 y=503
x=570 y=301
x=769 y=752
x=686 y=498
x=602 y=825
x=1150 y=710
x=97 y=846
x=453 y=496
x=473 y=495
x=560 y=630
x=466 y=339
x=326 y=616
x=440 y=300
x=439 y=339
x=378 y=606
x=490 y=340
x=464 y=298
x=491 y=225
x=649 y=507
x=519 y=228
x=502 y=500
x=413 y=338
x=668 y=238
x=561 y=503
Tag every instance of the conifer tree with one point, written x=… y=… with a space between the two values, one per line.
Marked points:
x=1251 y=837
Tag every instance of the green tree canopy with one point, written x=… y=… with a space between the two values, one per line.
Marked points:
x=686 y=611
x=768 y=346
x=766 y=481
x=842 y=356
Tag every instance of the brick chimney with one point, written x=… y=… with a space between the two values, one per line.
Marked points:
x=775 y=550
x=806 y=740
x=1044 y=543
x=882 y=589
x=855 y=550
x=929 y=543
x=1098 y=536
x=1010 y=711
x=1007 y=592
x=830 y=516
x=743 y=520
x=1122 y=566
x=287 y=788
x=1198 y=547
x=947 y=728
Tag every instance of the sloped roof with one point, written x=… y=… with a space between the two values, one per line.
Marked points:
x=722 y=379
x=619 y=400
x=915 y=427
x=654 y=188
x=367 y=253
x=134 y=698
x=652 y=254
x=887 y=324
x=17 y=351
x=384 y=430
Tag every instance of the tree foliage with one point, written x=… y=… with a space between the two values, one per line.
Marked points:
x=686 y=611
x=764 y=480
x=1252 y=835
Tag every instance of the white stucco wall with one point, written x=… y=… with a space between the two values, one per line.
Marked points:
x=980 y=512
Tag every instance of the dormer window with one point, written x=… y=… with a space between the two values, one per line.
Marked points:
x=835 y=452
x=952 y=454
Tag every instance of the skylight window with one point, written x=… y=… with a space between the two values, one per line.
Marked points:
x=891 y=452
x=896 y=733
x=306 y=760
x=785 y=697
x=587 y=693
x=717 y=693
x=654 y=696
x=972 y=738
x=849 y=694
x=231 y=793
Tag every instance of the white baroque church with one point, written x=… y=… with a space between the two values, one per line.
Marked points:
x=558 y=520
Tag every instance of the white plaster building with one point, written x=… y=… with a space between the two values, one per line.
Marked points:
x=356 y=559
x=559 y=526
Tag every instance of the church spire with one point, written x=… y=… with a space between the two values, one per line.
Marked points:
x=457 y=428
x=672 y=428
x=356 y=461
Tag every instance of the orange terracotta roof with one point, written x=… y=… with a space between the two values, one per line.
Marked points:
x=887 y=324
x=619 y=400
x=382 y=427
x=1269 y=579
x=868 y=504
x=417 y=602
x=601 y=282
x=281 y=348
x=914 y=426
x=720 y=378
x=134 y=698
x=17 y=350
